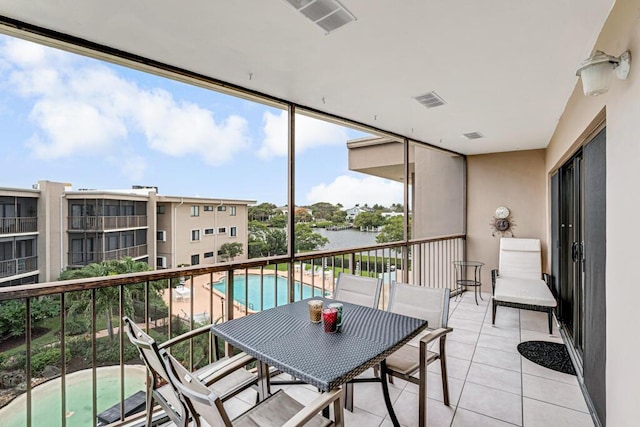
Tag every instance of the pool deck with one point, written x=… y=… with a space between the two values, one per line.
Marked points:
x=207 y=305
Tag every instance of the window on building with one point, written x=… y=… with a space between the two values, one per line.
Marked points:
x=160 y=209
x=195 y=259
x=209 y=231
x=222 y=230
x=222 y=208
x=232 y=210
x=208 y=208
x=161 y=262
x=208 y=254
x=161 y=236
x=195 y=210
x=233 y=231
x=195 y=235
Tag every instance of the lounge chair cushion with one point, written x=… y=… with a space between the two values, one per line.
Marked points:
x=524 y=291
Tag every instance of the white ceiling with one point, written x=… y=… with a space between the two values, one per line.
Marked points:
x=506 y=68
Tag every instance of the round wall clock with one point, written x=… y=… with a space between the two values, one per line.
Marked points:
x=502 y=222
x=502 y=212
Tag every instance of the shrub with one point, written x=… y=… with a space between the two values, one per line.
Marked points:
x=76 y=326
x=48 y=356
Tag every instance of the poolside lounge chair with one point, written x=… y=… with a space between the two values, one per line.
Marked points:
x=215 y=376
x=278 y=409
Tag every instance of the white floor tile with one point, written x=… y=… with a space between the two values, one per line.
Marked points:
x=491 y=402
x=555 y=392
x=541 y=414
x=497 y=358
x=406 y=409
x=465 y=418
x=530 y=368
x=498 y=378
x=499 y=343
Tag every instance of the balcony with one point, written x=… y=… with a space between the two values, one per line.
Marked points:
x=106 y=223
x=489 y=381
x=78 y=259
x=18 y=225
x=16 y=266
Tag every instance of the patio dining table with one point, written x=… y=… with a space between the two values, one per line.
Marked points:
x=285 y=339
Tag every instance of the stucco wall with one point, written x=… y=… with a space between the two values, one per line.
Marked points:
x=516 y=180
x=622 y=103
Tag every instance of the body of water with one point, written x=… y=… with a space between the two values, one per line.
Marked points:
x=268 y=290
x=46 y=409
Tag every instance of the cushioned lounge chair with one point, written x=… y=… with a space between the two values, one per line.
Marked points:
x=519 y=282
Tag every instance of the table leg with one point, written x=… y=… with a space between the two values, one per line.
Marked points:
x=385 y=393
x=264 y=381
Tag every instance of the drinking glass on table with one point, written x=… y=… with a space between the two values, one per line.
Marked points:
x=315 y=310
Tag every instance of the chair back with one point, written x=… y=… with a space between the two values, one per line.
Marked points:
x=358 y=290
x=195 y=394
x=430 y=304
x=150 y=355
x=520 y=258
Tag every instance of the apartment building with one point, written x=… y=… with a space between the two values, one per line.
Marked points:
x=192 y=230
x=18 y=236
x=51 y=227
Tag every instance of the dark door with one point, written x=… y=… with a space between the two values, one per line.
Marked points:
x=578 y=254
x=570 y=251
x=595 y=256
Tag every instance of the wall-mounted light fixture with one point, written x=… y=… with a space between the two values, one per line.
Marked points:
x=597 y=71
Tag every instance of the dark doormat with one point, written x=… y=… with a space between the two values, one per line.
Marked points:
x=551 y=355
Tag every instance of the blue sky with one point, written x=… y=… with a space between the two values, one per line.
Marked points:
x=73 y=119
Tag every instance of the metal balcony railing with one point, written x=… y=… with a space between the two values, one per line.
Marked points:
x=15 y=225
x=104 y=223
x=84 y=258
x=71 y=330
x=16 y=266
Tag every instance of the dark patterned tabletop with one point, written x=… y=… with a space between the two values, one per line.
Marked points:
x=284 y=338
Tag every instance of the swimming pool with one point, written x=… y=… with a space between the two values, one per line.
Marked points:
x=46 y=398
x=269 y=290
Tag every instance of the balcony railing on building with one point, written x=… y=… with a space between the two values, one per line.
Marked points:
x=15 y=225
x=84 y=258
x=104 y=223
x=17 y=266
x=85 y=341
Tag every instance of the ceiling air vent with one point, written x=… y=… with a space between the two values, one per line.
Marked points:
x=430 y=100
x=472 y=135
x=327 y=14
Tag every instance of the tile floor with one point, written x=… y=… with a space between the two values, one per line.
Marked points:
x=490 y=384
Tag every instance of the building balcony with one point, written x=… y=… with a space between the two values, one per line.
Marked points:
x=489 y=381
x=106 y=223
x=17 y=225
x=17 y=266
x=79 y=259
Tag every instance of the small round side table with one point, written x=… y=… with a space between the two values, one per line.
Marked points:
x=464 y=280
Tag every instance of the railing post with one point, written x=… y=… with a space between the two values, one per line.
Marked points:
x=228 y=312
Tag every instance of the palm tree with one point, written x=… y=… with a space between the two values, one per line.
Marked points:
x=109 y=297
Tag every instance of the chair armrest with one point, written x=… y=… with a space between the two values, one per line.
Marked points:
x=224 y=368
x=185 y=336
x=435 y=334
x=309 y=411
x=494 y=276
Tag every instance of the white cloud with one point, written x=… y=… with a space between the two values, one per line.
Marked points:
x=349 y=191
x=310 y=133
x=85 y=108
